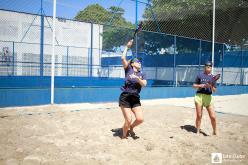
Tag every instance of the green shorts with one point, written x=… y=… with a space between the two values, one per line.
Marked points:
x=203 y=99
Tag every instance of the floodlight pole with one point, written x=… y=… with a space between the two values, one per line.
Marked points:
x=53 y=52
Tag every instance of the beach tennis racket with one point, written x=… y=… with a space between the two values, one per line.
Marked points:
x=137 y=30
x=214 y=79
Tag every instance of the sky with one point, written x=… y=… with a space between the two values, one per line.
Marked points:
x=69 y=8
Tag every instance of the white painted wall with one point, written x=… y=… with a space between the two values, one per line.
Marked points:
x=20 y=27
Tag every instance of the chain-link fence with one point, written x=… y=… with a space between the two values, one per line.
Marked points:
x=174 y=43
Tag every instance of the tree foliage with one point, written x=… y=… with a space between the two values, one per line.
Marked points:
x=193 y=18
x=116 y=29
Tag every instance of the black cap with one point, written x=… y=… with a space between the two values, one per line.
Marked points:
x=208 y=63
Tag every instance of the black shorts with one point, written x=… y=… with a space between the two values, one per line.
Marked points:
x=129 y=100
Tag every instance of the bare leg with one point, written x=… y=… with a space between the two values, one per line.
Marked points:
x=198 y=117
x=127 y=114
x=212 y=117
x=139 y=117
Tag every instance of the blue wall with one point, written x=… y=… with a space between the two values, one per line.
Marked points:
x=35 y=96
x=60 y=82
x=24 y=97
x=231 y=59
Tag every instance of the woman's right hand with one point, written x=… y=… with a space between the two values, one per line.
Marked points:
x=202 y=85
x=130 y=43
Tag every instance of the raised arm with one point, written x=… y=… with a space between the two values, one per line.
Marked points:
x=123 y=57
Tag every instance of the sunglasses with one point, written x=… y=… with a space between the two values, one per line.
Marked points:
x=137 y=61
x=209 y=66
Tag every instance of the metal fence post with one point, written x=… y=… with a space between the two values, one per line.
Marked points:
x=136 y=22
x=156 y=73
x=13 y=58
x=108 y=71
x=88 y=64
x=67 y=61
x=91 y=50
x=222 y=69
x=213 y=38
x=200 y=52
x=174 y=61
x=41 y=39
x=241 y=69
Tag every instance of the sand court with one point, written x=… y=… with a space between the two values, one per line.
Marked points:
x=81 y=134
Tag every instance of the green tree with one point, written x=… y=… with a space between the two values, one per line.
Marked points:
x=116 y=29
x=93 y=13
x=193 y=18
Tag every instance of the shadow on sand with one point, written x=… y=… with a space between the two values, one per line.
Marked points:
x=191 y=128
x=118 y=132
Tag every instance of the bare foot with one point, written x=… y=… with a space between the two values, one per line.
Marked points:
x=123 y=137
x=198 y=131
